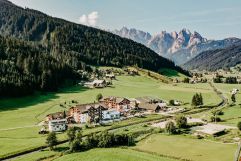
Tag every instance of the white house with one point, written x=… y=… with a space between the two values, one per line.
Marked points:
x=111 y=115
x=234 y=91
x=84 y=118
x=177 y=103
x=58 y=125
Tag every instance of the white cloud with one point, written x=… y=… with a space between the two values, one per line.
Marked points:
x=90 y=19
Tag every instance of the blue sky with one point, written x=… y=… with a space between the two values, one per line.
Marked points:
x=214 y=19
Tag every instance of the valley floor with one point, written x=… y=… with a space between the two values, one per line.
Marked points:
x=19 y=118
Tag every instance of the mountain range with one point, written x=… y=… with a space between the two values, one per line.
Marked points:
x=179 y=46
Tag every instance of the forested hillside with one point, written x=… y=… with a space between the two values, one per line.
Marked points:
x=26 y=67
x=216 y=59
x=60 y=46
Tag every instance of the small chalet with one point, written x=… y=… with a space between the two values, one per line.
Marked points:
x=96 y=84
x=151 y=104
x=56 y=116
x=118 y=103
x=110 y=76
x=150 y=107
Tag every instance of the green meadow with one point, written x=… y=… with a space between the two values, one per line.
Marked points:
x=19 y=117
x=113 y=154
x=187 y=148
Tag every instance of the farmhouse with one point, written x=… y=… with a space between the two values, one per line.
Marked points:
x=57 y=125
x=118 y=103
x=151 y=104
x=96 y=84
x=152 y=107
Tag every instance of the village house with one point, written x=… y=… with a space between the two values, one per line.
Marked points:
x=119 y=103
x=56 y=116
x=57 y=125
x=87 y=113
x=235 y=91
x=96 y=84
x=110 y=76
x=153 y=107
x=110 y=115
x=151 y=104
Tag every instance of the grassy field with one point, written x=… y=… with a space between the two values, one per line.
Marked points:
x=227 y=88
x=187 y=148
x=112 y=154
x=18 y=116
x=232 y=113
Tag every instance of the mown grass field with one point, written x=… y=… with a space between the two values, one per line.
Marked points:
x=22 y=113
x=232 y=114
x=187 y=148
x=113 y=154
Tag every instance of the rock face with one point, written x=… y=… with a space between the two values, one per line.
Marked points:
x=178 y=46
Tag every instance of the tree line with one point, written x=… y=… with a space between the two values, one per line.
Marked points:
x=78 y=142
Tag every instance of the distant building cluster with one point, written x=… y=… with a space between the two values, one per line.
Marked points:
x=107 y=110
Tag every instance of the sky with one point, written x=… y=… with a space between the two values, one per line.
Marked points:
x=214 y=19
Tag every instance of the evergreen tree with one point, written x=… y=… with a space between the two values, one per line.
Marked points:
x=51 y=140
x=170 y=127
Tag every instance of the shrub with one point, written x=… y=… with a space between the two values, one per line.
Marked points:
x=170 y=127
x=215 y=119
x=171 y=102
x=51 y=140
x=186 y=80
x=181 y=121
x=99 y=96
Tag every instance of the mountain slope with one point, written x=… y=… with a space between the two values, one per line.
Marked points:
x=61 y=46
x=88 y=44
x=216 y=59
x=177 y=46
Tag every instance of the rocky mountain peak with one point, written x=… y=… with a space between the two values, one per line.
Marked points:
x=179 y=46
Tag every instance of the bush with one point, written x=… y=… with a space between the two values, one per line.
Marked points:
x=170 y=127
x=181 y=121
x=186 y=80
x=217 y=112
x=51 y=140
x=172 y=102
x=99 y=96
x=215 y=119
x=239 y=125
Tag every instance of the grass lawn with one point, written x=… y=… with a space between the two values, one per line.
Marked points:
x=112 y=154
x=227 y=88
x=29 y=111
x=187 y=148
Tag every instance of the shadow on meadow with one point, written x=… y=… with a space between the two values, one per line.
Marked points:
x=7 y=104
